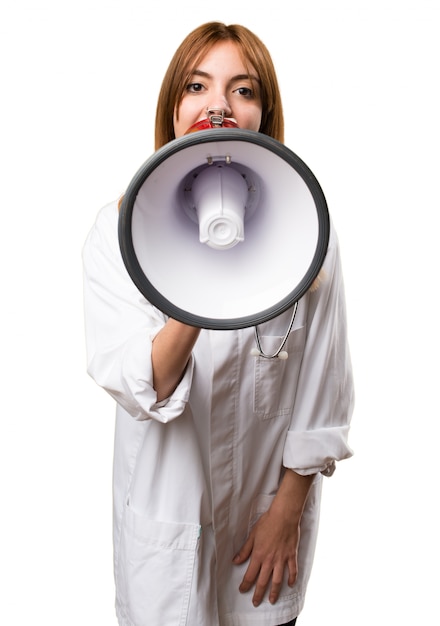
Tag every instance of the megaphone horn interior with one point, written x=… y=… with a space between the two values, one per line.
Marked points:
x=224 y=228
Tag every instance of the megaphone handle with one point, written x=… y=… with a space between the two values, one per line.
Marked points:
x=280 y=353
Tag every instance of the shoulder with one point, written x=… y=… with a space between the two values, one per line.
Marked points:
x=102 y=239
x=106 y=223
x=107 y=217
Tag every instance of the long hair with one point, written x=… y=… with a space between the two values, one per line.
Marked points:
x=185 y=60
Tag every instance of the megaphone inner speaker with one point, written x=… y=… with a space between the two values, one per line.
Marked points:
x=277 y=201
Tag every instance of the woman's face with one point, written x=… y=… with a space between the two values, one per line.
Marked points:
x=220 y=81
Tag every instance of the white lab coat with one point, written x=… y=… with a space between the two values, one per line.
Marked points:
x=193 y=473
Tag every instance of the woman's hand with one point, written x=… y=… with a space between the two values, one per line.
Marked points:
x=272 y=545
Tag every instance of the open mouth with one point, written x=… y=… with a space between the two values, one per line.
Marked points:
x=213 y=122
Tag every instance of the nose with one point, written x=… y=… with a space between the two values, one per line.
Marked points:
x=220 y=103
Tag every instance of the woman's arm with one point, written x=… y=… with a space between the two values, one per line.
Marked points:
x=121 y=327
x=273 y=542
x=170 y=352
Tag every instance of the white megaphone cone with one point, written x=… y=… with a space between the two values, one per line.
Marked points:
x=219 y=195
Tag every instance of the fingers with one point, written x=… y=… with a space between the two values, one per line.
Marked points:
x=245 y=552
x=293 y=571
x=263 y=579
x=267 y=576
x=272 y=579
x=273 y=595
x=250 y=577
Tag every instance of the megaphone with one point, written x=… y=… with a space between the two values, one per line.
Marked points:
x=224 y=229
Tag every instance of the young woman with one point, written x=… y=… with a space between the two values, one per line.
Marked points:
x=219 y=455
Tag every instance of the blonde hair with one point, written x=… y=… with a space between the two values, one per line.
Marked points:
x=185 y=60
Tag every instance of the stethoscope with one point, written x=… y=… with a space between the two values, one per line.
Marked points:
x=280 y=353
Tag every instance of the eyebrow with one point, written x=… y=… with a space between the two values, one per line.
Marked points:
x=233 y=78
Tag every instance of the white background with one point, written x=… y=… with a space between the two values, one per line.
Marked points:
x=79 y=82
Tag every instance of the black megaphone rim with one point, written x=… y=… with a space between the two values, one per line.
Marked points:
x=207 y=136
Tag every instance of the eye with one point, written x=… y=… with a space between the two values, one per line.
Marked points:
x=246 y=92
x=194 y=87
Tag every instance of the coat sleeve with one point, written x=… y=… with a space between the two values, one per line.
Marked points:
x=318 y=433
x=120 y=326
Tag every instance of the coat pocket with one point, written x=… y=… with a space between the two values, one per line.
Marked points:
x=275 y=380
x=155 y=570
